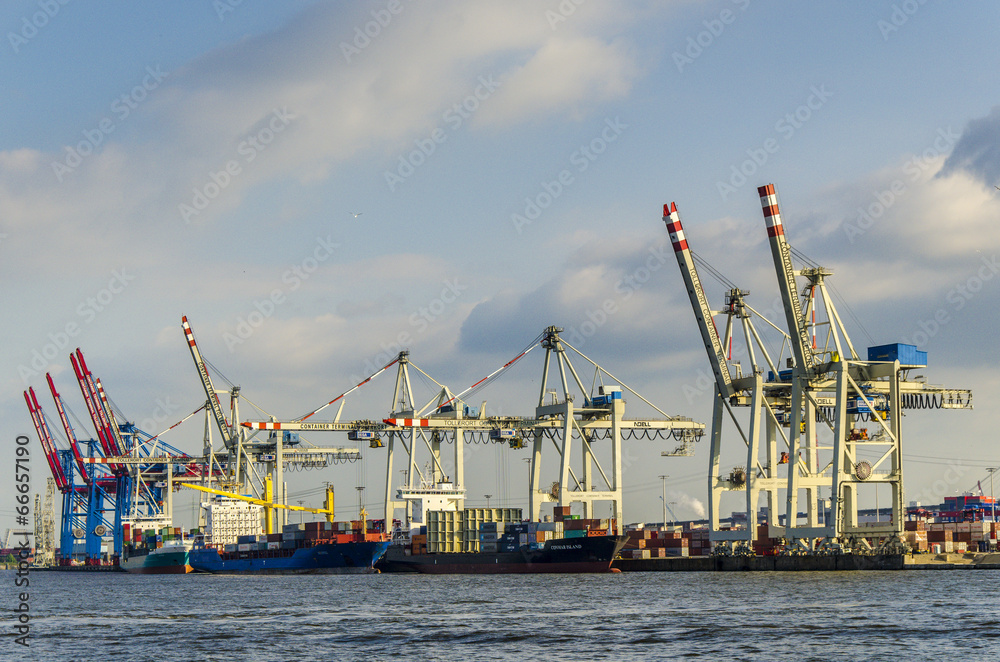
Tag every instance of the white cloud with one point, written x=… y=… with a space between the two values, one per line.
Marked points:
x=566 y=75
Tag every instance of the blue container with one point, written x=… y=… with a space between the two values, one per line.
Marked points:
x=783 y=375
x=905 y=354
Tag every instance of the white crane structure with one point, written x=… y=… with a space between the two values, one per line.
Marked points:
x=573 y=423
x=247 y=461
x=600 y=417
x=571 y=428
x=832 y=420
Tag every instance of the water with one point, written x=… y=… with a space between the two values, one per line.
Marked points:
x=916 y=615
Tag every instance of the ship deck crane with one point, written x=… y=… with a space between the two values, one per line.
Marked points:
x=269 y=504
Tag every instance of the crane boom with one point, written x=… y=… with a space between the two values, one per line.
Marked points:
x=702 y=311
x=206 y=382
x=94 y=408
x=116 y=433
x=782 y=254
x=70 y=434
x=45 y=438
x=104 y=409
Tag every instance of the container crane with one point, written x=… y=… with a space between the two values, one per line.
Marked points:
x=82 y=505
x=131 y=491
x=601 y=417
x=805 y=474
x=827 y=391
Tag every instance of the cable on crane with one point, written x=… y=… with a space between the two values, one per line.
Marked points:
x=712 y=271
x=79 y=423
x=850 y=311
x=244 y=398
x=803 y=257
x=841 y=301
x=356 y=386
x=216 y=370
x=475 y=388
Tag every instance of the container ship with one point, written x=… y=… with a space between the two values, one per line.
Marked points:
x=589 y=553
x=495 y=541
x=309 y=548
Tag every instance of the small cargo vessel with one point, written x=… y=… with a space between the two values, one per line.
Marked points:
x=170 y=559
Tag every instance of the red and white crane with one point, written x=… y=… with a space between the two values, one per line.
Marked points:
x=760 y=473
x=781 y=253
x=703 y=312
x=206 y=382
x=45 y=437
x=68 y=429
x=95 y=409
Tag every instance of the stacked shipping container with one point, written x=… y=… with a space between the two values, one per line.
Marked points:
x=948 y=537
x=658 y=543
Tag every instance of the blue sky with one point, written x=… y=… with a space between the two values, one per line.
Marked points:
x=195 y=158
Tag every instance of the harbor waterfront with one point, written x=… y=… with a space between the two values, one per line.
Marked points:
x=631 y=615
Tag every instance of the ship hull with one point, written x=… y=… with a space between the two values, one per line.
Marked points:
x=332 y=558
x=168 y=563
x=563 y=555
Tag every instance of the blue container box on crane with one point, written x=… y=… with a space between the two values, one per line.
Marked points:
x=905 y=354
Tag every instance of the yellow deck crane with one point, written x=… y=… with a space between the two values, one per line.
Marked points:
x=268 y=502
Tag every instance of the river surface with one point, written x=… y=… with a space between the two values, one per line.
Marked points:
x=903 y=615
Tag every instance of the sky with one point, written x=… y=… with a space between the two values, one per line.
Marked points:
x=318 y=185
